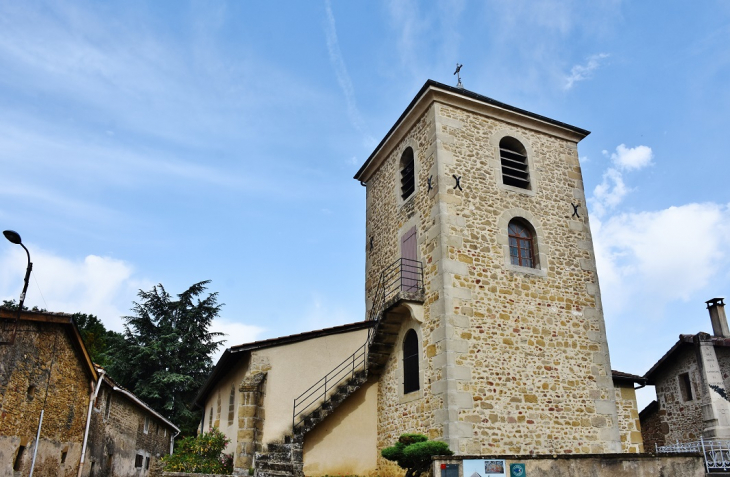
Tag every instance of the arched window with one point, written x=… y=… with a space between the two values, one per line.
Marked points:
x=521 y=244
x=513 y=156
x=407 y=174
x=410 y=362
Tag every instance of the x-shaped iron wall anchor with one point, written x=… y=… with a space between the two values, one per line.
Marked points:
x=430 y=186
x=575 y=210
x=458 y=183
x=371 y=243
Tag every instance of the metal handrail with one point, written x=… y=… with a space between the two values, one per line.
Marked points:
x=402 y=275
x=320 y=390
x=716 y=452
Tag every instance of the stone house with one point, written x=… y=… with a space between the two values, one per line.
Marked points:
x=484 y=321
x=45 y=369
x=691 y=382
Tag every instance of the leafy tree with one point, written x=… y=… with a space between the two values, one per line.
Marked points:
x=165 y=355
x=413 y=453
x=200 y=455
x=12 y=305
x=96 y=337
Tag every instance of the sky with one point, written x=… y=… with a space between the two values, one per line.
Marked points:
x=174 y=142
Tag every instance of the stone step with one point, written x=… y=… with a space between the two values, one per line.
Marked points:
x=276 y=466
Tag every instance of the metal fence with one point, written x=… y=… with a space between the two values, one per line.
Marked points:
x=715 y=452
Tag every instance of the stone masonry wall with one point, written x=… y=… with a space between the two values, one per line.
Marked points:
x=387 y=220
x=117 y=435
x=42 y=355
x=684 y=418
x=628 y=419
x=653 y=429
x=526 y=346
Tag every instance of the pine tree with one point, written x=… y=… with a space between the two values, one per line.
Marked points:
x=165 y=355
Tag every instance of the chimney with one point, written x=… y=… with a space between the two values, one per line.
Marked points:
x=718 y=318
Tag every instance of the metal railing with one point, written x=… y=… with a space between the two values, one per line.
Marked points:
x=403 y=275
x=715 y=452
x=320 y=391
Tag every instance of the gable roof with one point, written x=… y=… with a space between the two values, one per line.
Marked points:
x=452 y=92
x=684 y=342
x=620 y=377
x=129 y=394
x=234 y=354
x=64 y=319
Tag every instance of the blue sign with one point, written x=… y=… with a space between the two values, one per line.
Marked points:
x=517 y=470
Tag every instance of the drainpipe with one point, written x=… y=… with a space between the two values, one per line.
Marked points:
x=172 y=441
x=92 y=398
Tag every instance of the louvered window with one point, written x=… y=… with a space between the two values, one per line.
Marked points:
x=410 y=363
x=513 y=157
x=407 y=174
x=521 y=244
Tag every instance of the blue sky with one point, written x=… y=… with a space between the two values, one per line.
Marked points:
x=173 y=142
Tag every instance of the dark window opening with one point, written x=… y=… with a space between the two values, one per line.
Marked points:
x=63 y=456
x=407 y=174
x=30 y=394
x=146 y=463
x=521 y=244
x=685 y=387
x=138 y=461
x=108 y=405
x=210 y=419
x=18 y=464
x=410 y=362
x=109 y=461
x=513 y=157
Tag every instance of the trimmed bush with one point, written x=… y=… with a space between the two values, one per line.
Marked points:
x=413 y=453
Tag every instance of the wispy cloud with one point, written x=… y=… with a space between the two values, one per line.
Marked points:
x=584 y=71
x=343 y=77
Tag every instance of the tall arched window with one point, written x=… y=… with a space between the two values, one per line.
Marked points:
x=410 y=362
x=513 y=156
x=407 y=174
x=521 y=244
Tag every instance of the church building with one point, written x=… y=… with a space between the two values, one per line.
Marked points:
x=484 y=324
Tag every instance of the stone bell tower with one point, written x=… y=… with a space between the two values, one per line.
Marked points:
x=481 y=273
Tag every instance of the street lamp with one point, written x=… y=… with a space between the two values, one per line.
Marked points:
x=14 y=237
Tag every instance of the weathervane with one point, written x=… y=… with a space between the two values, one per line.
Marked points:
x=458 y=76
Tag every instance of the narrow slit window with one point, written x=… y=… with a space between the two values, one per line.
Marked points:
x=521 y=244
x=407 y=174
x=231 y=405
x=410 y=362
x=685 y=387
x=18 y=464
x=108 y=405
x=513 y=157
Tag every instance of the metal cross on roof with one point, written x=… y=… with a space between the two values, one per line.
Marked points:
x=458 y=75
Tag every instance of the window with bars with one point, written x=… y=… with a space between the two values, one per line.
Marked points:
x=407 y=174
x=138 y=460
x=410 y=362
x=513 y=157
x=521 y=244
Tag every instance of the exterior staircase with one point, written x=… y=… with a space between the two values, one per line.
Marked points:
x=402 y=281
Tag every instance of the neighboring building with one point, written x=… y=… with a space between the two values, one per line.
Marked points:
x=691 y=382
x=47 y=368
x=485 y=326
x=125 y=433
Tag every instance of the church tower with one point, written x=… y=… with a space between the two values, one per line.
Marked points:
x=481 y=273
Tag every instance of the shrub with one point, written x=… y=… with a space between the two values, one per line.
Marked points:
x=202 y=454
x=413 y=452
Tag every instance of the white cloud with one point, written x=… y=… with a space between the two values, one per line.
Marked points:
x=609 y=193
x=102 y=286
x=585 y=71
x=663 y=256
x=235 y=334
x=632 y=158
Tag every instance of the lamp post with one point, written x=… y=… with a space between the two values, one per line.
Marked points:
x=14 y=237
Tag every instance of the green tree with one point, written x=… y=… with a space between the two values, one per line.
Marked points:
x=413 y=453
x=165 y=355
x=202 y=454
x=96 y=337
